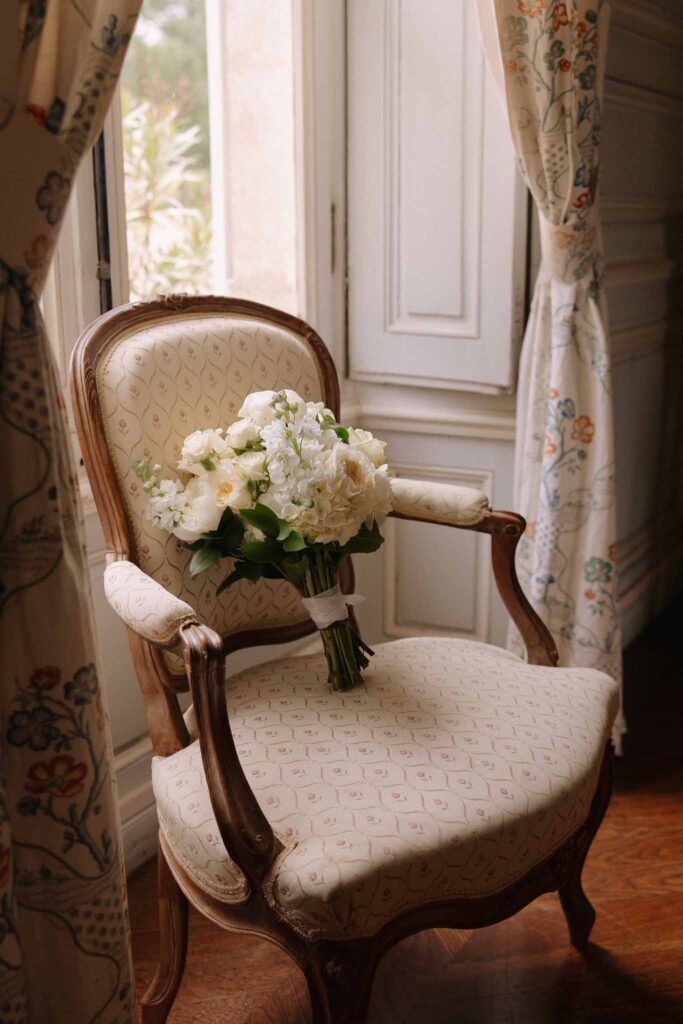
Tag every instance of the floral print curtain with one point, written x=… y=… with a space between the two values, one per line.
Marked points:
x=549 y=59
x=64 y=943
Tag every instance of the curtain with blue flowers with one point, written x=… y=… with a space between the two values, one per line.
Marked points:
x=549 y=59
x=64 y=940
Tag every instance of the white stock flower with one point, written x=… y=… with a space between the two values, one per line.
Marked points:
x=241 y=432
x=167 y=501
x=363 y=441
x=200 y=450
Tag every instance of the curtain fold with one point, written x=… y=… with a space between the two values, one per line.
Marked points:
x=64 y=939
x=549 y=60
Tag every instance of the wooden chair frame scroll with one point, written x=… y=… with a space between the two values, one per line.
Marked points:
x=340 y=973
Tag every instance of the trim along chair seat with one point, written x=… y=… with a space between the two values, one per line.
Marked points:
x=453 y=787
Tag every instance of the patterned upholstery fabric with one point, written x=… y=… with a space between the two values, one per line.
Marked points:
x=158 y=383
x=451 y=772
x=439 y=502
x=144 y=605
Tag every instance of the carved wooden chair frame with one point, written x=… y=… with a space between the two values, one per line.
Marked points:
x=339 y=973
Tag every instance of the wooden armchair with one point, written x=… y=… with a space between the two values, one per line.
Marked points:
x=456 y=785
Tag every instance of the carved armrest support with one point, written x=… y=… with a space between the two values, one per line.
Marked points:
x=244 y=829
x=468 y=509
x=144 y=605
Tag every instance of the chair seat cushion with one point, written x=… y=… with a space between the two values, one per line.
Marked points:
x=452 y=771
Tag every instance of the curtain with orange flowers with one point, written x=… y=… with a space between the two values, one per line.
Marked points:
x=64 y=942
x=549 y=59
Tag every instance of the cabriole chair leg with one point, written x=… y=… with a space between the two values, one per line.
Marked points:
x=158 y=999
x=340 y=985
x=578 y=910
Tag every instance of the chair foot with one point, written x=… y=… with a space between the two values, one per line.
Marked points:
x=578 y=911
x=340 y=983
x=157 y=1001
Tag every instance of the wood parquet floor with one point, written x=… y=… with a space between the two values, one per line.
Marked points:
x=522 y=971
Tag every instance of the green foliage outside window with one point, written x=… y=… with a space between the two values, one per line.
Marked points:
x=166 y=151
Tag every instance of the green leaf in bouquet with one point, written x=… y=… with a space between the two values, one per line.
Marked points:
x=294 y=542
x=195 y=545
x=365 y=542
x=263 y=518
x=285 y=529
x=342 y=433
x=262 y=551
x=242 y=571
x=208 y=464
x=204 y=558
x=256 y=445
x=270 y=572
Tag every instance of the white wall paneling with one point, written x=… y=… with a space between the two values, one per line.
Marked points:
x=642 y=201
x=436 y=211
x=437 y=581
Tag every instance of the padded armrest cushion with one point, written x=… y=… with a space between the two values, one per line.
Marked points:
x=433 y=502
x=144 y=605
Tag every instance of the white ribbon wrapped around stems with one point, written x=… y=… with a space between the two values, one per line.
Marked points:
x=330 y=606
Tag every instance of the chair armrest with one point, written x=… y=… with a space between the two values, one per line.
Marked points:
x=431 y=502
x=245 y=830
x=144 y=605
x=467 y=508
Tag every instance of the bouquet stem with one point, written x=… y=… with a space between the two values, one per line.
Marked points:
x=345 y=652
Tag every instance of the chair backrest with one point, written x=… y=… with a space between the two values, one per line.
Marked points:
x=144 y=376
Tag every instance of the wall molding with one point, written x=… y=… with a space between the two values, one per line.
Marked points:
x=642 y=208
x=628 y=273
x=483 y=424
x=648 y=555
x=642 y=340
x=137 y=807
x=645 y=19
x=640 y=97
x=482 y=479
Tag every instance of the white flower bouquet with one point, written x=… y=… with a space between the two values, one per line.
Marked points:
x=286 y=492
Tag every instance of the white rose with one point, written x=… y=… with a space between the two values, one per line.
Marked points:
x=200 y=447
x=252 y=465
x=201 y=513
x=363 y=441
x=241 y=432
x=206 y=498
x=230 y=486
x=259 y=405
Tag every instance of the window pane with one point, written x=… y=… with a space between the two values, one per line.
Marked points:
x=166 y=144
x=209 y=150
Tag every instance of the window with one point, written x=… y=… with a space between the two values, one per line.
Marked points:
x=208 y=136
x=222 y=169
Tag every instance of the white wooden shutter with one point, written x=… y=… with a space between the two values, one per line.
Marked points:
x=436 y=209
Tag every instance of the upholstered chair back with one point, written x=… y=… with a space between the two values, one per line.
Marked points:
x=157 y=371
